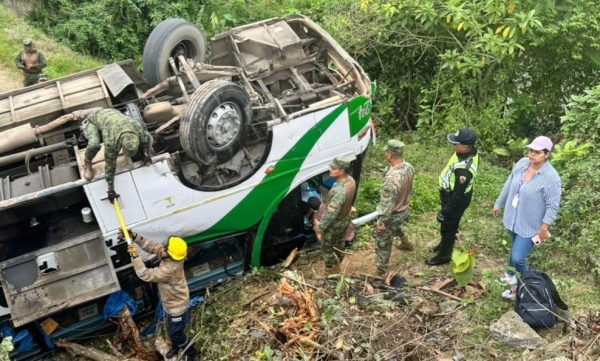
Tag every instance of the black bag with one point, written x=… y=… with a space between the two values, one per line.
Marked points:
x=537 y=300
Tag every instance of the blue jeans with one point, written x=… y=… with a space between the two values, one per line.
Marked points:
x=521 y=248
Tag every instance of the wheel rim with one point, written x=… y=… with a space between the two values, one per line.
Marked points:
x=185 y=48
x=223 y=126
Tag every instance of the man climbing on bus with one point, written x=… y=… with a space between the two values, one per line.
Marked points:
x=117 y=131
x=172 y=285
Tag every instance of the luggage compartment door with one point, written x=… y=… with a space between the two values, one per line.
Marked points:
x=55 y=278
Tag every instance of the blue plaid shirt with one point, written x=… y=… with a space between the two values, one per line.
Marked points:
x=539 y=199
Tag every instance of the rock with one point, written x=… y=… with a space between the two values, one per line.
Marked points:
x=512 y=331
x=448 y=306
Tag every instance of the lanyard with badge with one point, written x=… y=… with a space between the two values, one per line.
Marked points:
x=515 y=200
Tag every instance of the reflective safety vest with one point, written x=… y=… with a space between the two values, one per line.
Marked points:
x=448 y=177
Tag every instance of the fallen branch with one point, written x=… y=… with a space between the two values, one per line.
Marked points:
x=88 y=352
x=290 y=258
x=440 y=292
x=114 y=350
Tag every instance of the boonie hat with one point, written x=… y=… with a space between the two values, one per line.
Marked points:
x=395 y=146
x=540 y=143
x=340 y=162
x=27 y=42
x=464 y=136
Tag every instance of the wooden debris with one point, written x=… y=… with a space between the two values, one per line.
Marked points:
x=441 y=284
x=129 y=335
x=290 y=258
x=88 y=352
x=340 y=342
x=114 y=350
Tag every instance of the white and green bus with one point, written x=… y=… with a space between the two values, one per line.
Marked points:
x=239 y=143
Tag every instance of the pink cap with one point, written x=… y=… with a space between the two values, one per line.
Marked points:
x=540 y=143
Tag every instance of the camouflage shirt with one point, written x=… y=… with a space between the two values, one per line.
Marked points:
x=113 y=124
x=395 y=191
x=340 y=194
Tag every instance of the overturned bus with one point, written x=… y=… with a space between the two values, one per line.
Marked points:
x=240 y=141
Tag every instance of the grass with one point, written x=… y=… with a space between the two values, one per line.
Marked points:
x=61 y=60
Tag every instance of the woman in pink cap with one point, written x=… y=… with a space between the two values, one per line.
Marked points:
x=530 y=197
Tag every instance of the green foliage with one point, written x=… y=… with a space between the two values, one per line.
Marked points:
x=463 y=265
x=514 y=149
x=568 y=150
x=330 y=310
x=110 y=29
x=483 y=64
x=582 y=118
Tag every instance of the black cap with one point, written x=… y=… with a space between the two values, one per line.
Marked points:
x=465 y=136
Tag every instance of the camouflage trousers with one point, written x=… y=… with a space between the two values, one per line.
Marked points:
x=385 y=240
x=333 y=242
x=92 y=134
x=31 y=79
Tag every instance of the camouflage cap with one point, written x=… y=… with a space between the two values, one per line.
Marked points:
x=130 y=144
x=395 y=146
x=340 y=162
x=27 y=42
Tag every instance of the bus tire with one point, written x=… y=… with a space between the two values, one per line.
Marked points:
x=169 y=39
x=215 y=122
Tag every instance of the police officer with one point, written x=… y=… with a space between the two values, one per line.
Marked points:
x=117 y=131
x=331 y=230
x=393 y=205
x=456 y=191
x=172 y=286
x=31 y=61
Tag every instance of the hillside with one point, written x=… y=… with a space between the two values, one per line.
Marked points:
x=61 y=60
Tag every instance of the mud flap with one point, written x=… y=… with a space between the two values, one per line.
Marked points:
x=55 y=278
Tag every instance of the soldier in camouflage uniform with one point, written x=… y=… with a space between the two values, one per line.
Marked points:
x=393 y=205
x=117 y=130
x=331 y=230
x=31 y=61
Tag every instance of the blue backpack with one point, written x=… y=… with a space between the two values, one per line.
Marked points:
x=538 y=301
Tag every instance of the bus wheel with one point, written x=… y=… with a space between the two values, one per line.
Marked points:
x=171 y=38
x=215 y=122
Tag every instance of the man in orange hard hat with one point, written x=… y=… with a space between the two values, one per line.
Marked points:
x=172 y=284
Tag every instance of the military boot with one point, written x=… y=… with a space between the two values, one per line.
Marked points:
x=88 y=171
x=405 y=244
